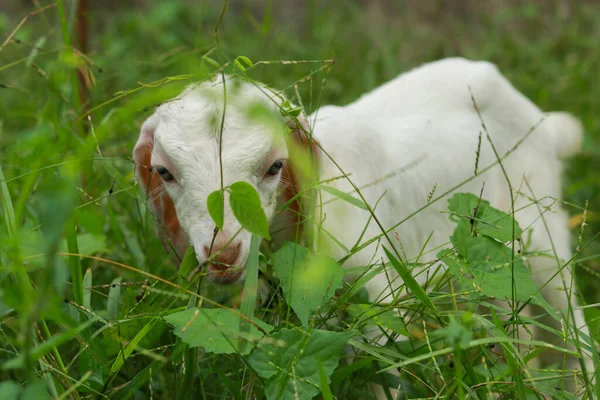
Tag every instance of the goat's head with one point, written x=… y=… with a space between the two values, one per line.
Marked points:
x=194 y=145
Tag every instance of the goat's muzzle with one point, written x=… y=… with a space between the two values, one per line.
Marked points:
x=225 y=268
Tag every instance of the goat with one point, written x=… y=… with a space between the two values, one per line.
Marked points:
x=197 y=142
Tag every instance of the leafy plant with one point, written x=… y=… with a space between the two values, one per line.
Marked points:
x=308 y=280
x=215 y=330
x=481 y=257
x=292 y=362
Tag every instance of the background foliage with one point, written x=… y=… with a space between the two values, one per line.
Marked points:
x=78 y=326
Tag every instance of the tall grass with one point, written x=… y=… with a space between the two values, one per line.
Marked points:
x=91 y=304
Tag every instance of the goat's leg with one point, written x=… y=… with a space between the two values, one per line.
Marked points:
x=551 y=236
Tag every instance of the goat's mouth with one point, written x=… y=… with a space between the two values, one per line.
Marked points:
x=224 y=275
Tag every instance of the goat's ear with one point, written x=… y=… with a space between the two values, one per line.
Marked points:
x=159 y=201
x=300 y=171
x=142 y=153
x=303 y=149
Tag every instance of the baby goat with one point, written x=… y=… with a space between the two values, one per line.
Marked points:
x=194 y=145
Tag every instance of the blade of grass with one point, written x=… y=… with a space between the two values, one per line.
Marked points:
x=190 y=366
x=73 y=388
x=114 y=299
x=596 y=358
x=229 y=384
x=325 y=390
x=129 y=389
x=9 y=212
x=127 y=351
x=87 y=286
x=510 y=353
x=74 y=264
x=410 y=282
x=190 y=356
x=249 y=293
x=47 y=346
x=471 y=344
x=250 y=290
x=67 y=40
x=188 y=264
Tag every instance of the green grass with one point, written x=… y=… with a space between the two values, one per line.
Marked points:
x=95 y=326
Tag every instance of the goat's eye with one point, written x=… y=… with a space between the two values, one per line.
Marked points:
x=275 y=168
x=165 y=174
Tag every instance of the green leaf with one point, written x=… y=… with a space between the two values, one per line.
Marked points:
x=215 y=330
x=308 y=280
x=247 y=208
x=344 y=196
x=245 y=60
x=486 y=220
x=488 y=268
x=87 y=244
x=288 y=361
x=410 y=282
x=87 y=289
x=91 y=243
x=455 y=334
x=35 y=390
x=10 y=390
x=216 y=207
x=294 y=112
x=211 y=62
x=239 y=65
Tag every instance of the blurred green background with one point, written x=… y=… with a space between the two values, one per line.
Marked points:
x=549 y=49
x=62 y=169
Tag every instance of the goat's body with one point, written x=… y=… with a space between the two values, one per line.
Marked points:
x=421 y=131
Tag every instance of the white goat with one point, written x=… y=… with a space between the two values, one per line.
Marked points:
x=425 y=116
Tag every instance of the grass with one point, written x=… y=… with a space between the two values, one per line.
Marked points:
x=94 y=325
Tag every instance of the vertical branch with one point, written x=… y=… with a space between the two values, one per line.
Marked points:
x=514 y=305
x=222 y=127
x=223 y=10
x=81 y=29
x=69 y=46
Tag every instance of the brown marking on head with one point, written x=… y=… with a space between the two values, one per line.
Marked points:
x=159 y=201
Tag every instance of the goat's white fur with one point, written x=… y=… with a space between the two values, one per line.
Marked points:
x=425 y=117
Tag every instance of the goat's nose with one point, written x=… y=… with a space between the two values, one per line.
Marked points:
x=225 y=257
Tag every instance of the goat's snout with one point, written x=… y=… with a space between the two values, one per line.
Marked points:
x=225 y=260
x=224 y=257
